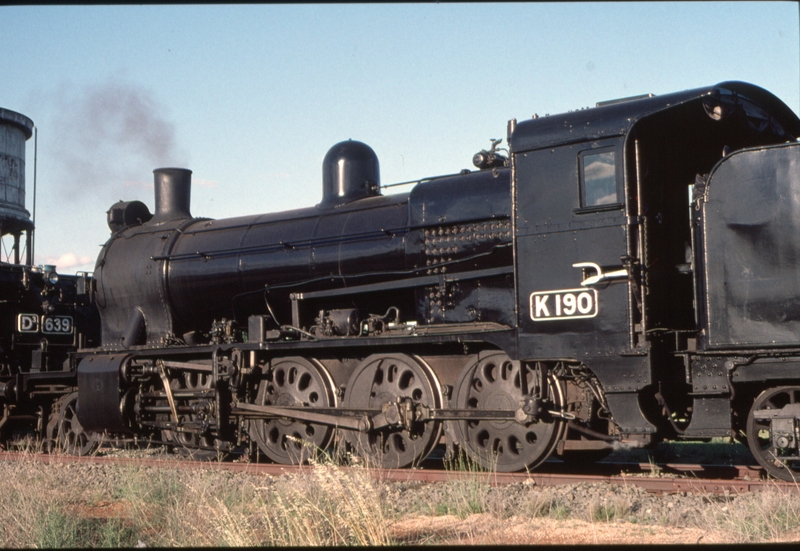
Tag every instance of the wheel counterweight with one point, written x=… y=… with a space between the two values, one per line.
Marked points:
x=494 y=383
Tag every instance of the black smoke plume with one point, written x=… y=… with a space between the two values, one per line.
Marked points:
x=106 y=141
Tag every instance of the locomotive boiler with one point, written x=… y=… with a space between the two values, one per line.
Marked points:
x=621 y=275
x=153 y=289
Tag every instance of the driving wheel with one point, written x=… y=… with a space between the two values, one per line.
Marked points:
x=495 y=383
x=379 y=381
x=293 y=382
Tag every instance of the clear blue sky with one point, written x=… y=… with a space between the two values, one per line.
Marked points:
x=251 y=97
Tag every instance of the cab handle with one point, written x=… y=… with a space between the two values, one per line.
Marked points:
x=601 y=276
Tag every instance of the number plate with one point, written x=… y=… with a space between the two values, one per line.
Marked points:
x=49 y=325
x=28 y=323
x=57 y=325
x=563 y=304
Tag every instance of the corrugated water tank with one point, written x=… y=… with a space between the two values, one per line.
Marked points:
x=15 y=130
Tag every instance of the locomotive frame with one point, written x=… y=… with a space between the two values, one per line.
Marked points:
x=602 y=284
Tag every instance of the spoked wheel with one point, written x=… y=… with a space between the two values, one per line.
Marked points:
x=70 y=436
x=495 y=383
x=293 y=382
x=380 y=380
x=776 y=452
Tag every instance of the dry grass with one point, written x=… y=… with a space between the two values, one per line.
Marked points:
x=772 y=515
x=48 y=506
x=71 y=506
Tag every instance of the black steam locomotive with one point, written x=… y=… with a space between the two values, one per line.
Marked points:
x=45 y=318
x=621 y=275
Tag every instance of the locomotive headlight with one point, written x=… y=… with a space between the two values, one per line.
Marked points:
x=50 y=275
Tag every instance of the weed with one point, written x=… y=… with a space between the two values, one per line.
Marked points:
x=56 y=530
x=468 y=494
x=543 y=505
x=606 y=510
x=762 y=517
x=655 y=470
x=560 y=512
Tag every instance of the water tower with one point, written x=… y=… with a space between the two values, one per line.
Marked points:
x=15 y=130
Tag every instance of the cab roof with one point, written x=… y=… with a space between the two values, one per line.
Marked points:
x=617 y=118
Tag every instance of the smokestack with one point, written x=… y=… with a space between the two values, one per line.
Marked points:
x=173 y=188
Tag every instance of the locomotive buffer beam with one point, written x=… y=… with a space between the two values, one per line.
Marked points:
x=396 y=414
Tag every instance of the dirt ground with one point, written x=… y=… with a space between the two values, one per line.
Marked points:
x=486 y=529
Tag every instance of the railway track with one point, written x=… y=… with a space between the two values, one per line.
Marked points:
x=657 y=478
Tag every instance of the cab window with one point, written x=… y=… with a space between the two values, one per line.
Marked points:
x=598 y=178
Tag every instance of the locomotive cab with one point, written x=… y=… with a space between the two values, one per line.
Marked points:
x=608 y=246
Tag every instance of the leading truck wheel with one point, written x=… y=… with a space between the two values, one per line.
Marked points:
x=771 y=433
x=495 y=383
x=70 y=436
